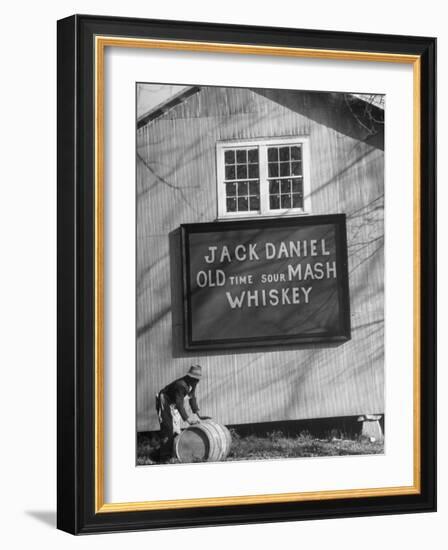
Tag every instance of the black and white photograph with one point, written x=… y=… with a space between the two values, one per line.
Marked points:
x=219 y=292
x=259 y=273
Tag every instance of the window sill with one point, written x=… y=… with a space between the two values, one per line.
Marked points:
x=270 y=215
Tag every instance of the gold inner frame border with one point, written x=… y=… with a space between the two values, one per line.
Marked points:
x=100 y=44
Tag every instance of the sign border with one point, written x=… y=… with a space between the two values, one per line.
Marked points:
x=338 y=220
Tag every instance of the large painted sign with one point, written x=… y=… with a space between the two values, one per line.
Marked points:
x=266 y=282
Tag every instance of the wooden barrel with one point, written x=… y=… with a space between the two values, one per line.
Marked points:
x=207 y=441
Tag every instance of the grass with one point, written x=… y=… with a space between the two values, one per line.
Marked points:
x=278 y=445
x=272 y=446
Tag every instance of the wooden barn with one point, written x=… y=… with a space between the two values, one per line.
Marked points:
x=327 y=152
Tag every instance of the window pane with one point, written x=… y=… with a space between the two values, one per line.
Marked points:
x=284 y=169
x=286 y=201
x=241 y=165
x=254 y=188
x=229 y=157
x=285 y=186
x=296 y=168
x=241 y=171
x=296 y=186
x=272 y=154
x=253 y=170
x=297 y=200
x=252 y=155
x=242 y=204
x=242 y=188
x=296 y=152
x=231 y=205
x=274 y=202
x=284 y=153
x=241 y=156
x=231 y=189
x=273 y=170
x=274 y=186
x=230 y=172
x=254 y=203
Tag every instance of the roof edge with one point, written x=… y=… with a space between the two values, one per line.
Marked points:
x=165 y=106
x=184 y=94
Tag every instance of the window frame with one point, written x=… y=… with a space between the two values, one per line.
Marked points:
x=262 y=144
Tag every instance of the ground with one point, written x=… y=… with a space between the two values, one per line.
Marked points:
x=273 y=445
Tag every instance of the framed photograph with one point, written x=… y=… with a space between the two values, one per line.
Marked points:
x=246 y=274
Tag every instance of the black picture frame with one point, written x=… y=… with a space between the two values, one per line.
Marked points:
x=79 y=509
x=335 y=336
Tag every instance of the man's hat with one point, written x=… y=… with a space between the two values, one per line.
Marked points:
x=195 y=372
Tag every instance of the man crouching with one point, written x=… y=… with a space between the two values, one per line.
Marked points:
x=170 y=405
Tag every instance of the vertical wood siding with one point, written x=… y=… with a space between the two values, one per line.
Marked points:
x=176 y=183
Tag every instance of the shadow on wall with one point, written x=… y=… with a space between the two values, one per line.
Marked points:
x=340 y=426
x=336 y=426
x=351 y=117
x=177 y=314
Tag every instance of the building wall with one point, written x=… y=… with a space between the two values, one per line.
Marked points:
x=176 y=183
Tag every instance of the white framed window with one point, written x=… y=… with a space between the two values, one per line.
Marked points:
x=263 y=177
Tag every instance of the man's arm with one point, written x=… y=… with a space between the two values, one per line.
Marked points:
x=181 y=392
x=193 y=402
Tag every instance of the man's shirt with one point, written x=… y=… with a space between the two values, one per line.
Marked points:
x=176 y=393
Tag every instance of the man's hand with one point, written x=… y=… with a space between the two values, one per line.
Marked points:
x=193 y=419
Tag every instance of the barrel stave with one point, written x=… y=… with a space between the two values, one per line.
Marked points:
x=207 y=441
